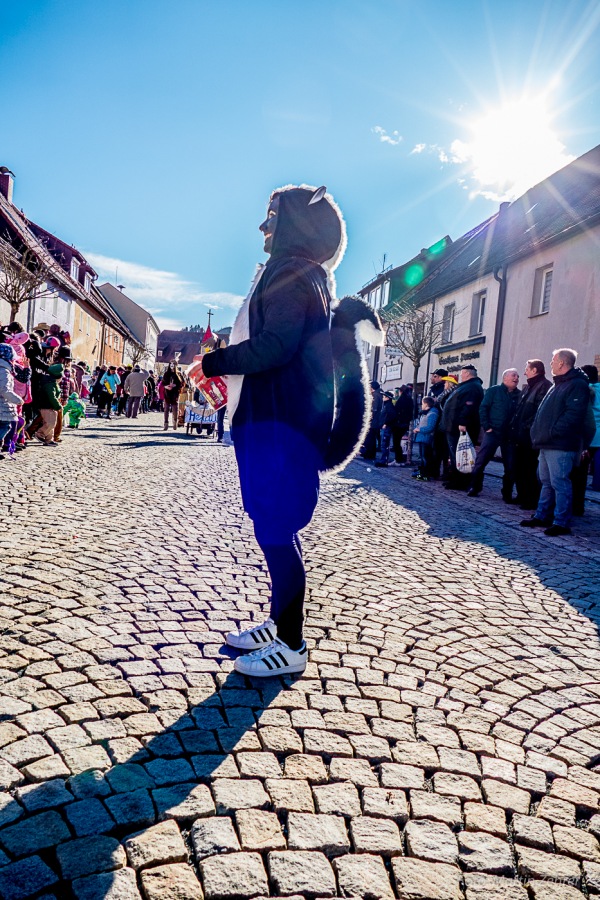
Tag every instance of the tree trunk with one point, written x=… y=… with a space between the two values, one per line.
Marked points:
x=14 y=312
x=414 y=385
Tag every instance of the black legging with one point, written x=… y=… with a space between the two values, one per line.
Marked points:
x=283 y=554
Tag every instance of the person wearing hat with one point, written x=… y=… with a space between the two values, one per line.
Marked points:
x=460 y=415
x=438 y=385
x=388 y=417
x=404 y=410
x=108 y=386
x=369 y=448
x=66 y=387
x=49 y=404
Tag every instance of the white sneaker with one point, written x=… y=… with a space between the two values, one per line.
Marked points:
x=274 y=659
x=253 y=638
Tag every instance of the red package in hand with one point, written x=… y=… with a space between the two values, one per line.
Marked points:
x=214 y=390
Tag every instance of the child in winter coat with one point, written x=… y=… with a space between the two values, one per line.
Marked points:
x=74 y=409
x=424 y=437
x=49 y=404
x=9 y=400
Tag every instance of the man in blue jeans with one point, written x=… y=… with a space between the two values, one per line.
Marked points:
x=558 y=433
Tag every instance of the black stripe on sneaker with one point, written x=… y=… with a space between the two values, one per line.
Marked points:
x=268 y=633
x=302 y=650
x=268 y=663
x=282 y=658
x=274 y=660
x=257 y=639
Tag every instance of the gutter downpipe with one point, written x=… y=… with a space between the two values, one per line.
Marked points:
x=501 y=279
x=430 y=346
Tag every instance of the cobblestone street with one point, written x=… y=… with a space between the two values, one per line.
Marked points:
x=441 y=744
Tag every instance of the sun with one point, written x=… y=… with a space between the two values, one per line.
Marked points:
x=511 y=148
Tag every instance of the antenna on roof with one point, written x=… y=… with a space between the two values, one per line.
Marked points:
x=121 y=287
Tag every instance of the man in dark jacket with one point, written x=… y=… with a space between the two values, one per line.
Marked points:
x=523 y=457
x=282 y=423
x=459 y=415
x=369 y=450
x=558 y=433
x=496 y=410
x=388 y=418
x=403 y=409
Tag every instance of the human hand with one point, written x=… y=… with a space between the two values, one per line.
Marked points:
x=462 y=429
x=489 y=430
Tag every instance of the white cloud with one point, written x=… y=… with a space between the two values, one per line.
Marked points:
x=394 y=138
x=170 y=298
x=418 y=148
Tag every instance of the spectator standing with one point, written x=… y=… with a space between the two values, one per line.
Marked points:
x=438 y=384
x=108 y=387
x=402 y=420
x=388 y=418
x=523 y=457
x=592 y=374
x=172 y=384
x=424 y=438
x=66 y=387
x=369 y=450
x=49 y=404
x=134 y=386
x=495 y=413
x=9 y=400
x=558 y=433
x=440 y=442
x=460 y=415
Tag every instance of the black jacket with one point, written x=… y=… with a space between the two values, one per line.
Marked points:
x=560 y=419
x=498 y=407
x=376 y=409
x=462 y=407
x=531 y=396
x=404 y=410
x=388 y=414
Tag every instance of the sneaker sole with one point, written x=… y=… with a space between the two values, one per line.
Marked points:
x=233 y=640
x=287 y=670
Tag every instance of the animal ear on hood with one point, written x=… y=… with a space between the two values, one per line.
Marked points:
x=318 y=195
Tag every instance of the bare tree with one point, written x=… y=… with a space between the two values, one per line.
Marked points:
x=22 y=276
x=138 y=352
x=413 y=332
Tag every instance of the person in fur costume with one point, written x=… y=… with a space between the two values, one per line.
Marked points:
x=297 y=404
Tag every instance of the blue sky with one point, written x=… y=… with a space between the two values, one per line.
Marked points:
x=150 y=133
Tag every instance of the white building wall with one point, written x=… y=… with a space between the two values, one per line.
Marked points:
x=573 y=317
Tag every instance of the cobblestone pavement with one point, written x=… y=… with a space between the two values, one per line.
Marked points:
x=442 y=743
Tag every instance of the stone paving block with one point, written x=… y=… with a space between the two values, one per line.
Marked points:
x=386 y=803
x=306 y=872
x=44 y=796
x=184 y=802
x=363 y=876
x=492 y=887
x=358 y=771
x=68 y=737
x=533 y=863
x=25 y=878
x=259 y=830
x=317 y=832
x=280 y=739
x=169 y=771
x=462 y=786
x=426 y=805
x=591 y=871
x=305 y=766
x=379 y=836
x=339 y=798
x=396 y=775
x=460 y=762
x=88 y=817
x=555 y=810
x=229 y=795
x=326 y=743
x=172 y=882
x=10 y=809
x=210 y=765
x=89 y=784
x=576 y=842
x=236 y=875
x=482 y=852
x=513 y=799
x=544 y=890
x=46 y=768
x=432 y=841
x=35 y=833
x=131 y=810
x=26 y=750
x=90 y=855
x=479 y=817
x=583 y=797
x=119 y=885
x=290 y=795
x=9 y=776
x=416 y=753
x=533 y=831
x=258 y=765
x=214 y=835
x=83 y=758
x=156 y=846
x=419 y=880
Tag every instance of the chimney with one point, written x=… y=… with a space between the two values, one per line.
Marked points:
x=503 y=207
x=7 y=182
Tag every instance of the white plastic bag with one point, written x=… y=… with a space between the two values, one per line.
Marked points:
x=465 y=454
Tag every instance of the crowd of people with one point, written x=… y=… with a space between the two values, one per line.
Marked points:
x=43 y=390
x=548 y=434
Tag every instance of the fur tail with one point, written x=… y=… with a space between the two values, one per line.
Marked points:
x=353 y=321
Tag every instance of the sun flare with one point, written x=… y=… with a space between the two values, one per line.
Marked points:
x=512 y=148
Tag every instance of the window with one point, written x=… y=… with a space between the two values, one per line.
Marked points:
x=542 y=288
x=74 y=269
x=116 y=341
x=385 y=293
x=448 y=323
x=87 y=282
x=477 y=313
x=55 y=306
x=159 y=353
